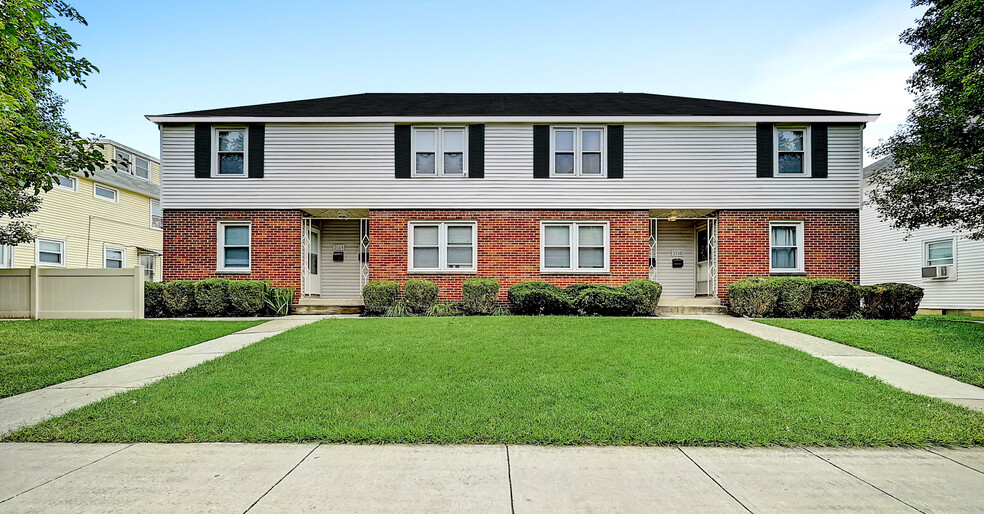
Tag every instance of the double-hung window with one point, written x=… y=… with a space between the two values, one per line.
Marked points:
x=125 y=163
x=141 y=167
x=786 y=247
x=439 y=151
x=68 y=184
x=230 y=152
x=234 y=246
x=156 y=215
x=578 y=152
x=574 y=247
x=113 y=257
x=51 y=252
x=792 y=150
x=6 y=256
x=938 y=253
x=106 y=193
x=447 y=247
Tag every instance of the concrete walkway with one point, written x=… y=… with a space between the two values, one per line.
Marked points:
x=35 y=406
x=899 y=374
x=238 y=478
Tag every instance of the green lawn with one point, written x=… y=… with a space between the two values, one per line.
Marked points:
x=39 y=353
x=511 y=379
x=954 y=349
x=948 y=317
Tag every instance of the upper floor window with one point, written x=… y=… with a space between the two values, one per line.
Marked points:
x=141 y=167
x=68 y=183
x=6 y=256
x=51 y=252
x=792 y=146
x=786 y=246
x=442 y=246
x=439 y=151
x=229 y=158
x=156 y=215
x=106 y=193
x=234 y=246
x=571 y=247
x=125 y=161
x=577 y=152
x=113 y=257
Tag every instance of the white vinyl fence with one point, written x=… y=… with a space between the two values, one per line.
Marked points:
x=71 y=293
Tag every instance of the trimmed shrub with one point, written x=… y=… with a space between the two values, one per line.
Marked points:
x=755 y=297
x=179 y=298
x=153 y=300
x=212 y=296
x=794 y=296
x=539 y=298
x=604 y=301
x=574 y=290
x=833 y=298
x=380 y=295
x=420 y=295
x=247 y=297
x=479 y=295
x=891 y=300
x=644 y=295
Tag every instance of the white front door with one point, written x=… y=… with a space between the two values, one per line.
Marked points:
x=314 y=263
x=703 y=263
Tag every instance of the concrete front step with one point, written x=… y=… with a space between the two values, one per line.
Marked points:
x=670 y=306
x=327 y=306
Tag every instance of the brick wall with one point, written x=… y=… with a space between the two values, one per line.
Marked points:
x=509 y=246
x=190 y=239
x=830 y=246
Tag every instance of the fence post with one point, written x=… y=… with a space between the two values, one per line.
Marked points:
x=35 y=292
x=138 y=292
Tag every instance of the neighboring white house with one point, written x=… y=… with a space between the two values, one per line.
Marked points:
x=946 y=264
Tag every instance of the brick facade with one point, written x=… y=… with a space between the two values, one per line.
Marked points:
x=509 y=246
x=190 y=239
x=831 y=244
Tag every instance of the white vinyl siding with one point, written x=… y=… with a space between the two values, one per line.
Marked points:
x=668 y=165
x=675 y=240
x=340 y=279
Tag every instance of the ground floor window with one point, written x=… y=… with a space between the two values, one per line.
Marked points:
x=786 y=246
x=113 y=257
x=938 y=253
x=442 y=246
x=51 y=252
x=234 y=246
x=574 y=247
x=6 y=256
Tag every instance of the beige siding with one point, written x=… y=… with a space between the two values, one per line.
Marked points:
x=887 y=256
x=676 y=240
x=340 y=280
x=669 y=165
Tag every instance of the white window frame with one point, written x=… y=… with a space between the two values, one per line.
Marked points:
x=152 y=270
x=807 y=159
x=925 y=255
x=158 y=202
x=107 y=249
x=800 y=247
x=578 y=140
x=438 y=150
x=221 y=246
x=442 y=247
x=215 y=151
x=123 y=155
x=574 y=245
x=37 y=252
x=116 y=193
x=134 y=167
x=6 y=256
x=75 y=184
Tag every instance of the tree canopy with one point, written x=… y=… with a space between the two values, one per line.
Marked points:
x=937 y=176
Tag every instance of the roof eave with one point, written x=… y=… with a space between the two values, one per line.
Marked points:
x=840 y=118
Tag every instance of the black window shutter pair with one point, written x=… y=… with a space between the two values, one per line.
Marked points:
x=254 y=151
x=765 y=150
x=541 y=151
x=403 y=154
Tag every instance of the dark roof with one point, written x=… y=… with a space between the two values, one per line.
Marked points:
x=510 y=104
x=880 y=164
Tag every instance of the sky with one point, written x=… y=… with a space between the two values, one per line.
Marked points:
x=158 y=57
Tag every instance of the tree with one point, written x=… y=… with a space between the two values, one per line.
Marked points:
x=937 y=176
x=37 y=145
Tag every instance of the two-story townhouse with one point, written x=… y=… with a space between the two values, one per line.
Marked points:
x=326 y=194
x=110 y=219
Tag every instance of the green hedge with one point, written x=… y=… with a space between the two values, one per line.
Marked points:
x=153 y=300
x=832 y=298
x=793 y=297
x=755 y=297
x=179 y=298
x=890 y=300
x=420 y=295
x=603 y=301
x=248 y=297
x=214 y=297
x=479 y=295
x=380 y=295
x=644 y=295
x=539 y=298
x=636 y=298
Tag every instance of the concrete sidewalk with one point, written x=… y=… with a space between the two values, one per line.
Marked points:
x=899 y=374
x=35 y=406
x=298 y=477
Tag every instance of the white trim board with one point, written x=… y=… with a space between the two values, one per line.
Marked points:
x=866 y=118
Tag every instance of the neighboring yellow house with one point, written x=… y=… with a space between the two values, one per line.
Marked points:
x=107 y=220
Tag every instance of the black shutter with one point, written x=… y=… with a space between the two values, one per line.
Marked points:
x=818 y=150
x=401 y=150
x=476 y=151
x=257 y=133
x=203 y=150
x=541 y=151
x=764 y=153
x=616 y=138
